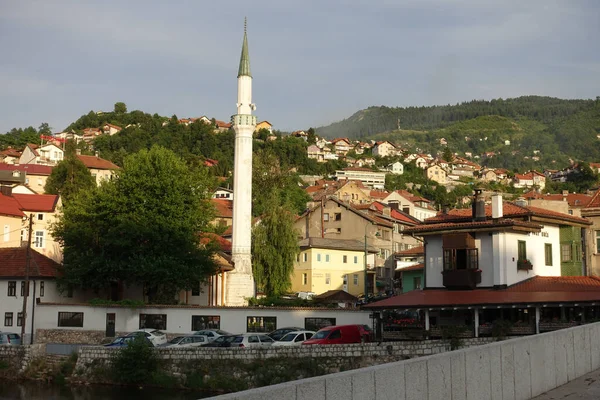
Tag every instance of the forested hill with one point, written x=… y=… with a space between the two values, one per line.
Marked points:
x=374 y=120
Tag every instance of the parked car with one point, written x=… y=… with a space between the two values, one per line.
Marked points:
x=281 y=332
x=295 y=338
x=10 y=338
x=342 y=334
x=123 y=341
x=221 y=341
x=186 y=341
x=252 y=340
x=154 y=335
x=212 y=334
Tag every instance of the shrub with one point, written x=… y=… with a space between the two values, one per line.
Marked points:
x=453 y=333
x=136 y=362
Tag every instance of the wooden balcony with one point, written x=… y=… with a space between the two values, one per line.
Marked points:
x=461 y=278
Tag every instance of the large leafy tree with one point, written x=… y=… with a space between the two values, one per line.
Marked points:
x=140 y=228
x=69 y=176
x=274 y=249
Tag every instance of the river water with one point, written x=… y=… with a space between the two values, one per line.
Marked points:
x=29 y=390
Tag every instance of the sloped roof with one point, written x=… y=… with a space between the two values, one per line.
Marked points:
x=224 y=207
x=509 y=210
x=415 y=251
x=594 y=201
x=36 y=202
x=10 y=206
x=11 y=153
x=416 y=267
x=573 y=199
x=224 y=244
x=335 y=244
x=538 y=290
x=396 y=214
x=335 y=296
x=97 y=162
x=30 y=169
x=13 y=262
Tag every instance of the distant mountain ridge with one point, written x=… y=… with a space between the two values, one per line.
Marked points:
x=375 y=120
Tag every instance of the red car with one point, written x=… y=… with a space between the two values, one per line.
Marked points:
x=342 y=334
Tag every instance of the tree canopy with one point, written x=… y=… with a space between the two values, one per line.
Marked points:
x=69 y=176
x=142 y=228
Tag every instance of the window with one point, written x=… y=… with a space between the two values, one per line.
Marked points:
x=338 y=216
x=548 y=253
x=201 y=322
x=261 y=324
x=336 y=334
x=8 y=319
x=6 y=233
x=385 y=235
x=42 y=289
x=326 y=257
x=355 y=279
x=39 y=239
x=20 y=319
x=305 y=257
x=40 y=217
x=318 y=256
x=326 y=217
x=565 y=252
x=314 y=324
x=328 y=279
x=23 y=288
x=597 y=241
x=417 y=282
x=355 y=259
x=304 y=278
x=70 y=319
x=461 y=259
x=196 y=290
x=577 y=252
x=386 y=253
x=345 y=259
x=12 y=288
x=156 y=321
x=522 y=250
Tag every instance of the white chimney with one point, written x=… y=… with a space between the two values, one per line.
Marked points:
x=497 y=206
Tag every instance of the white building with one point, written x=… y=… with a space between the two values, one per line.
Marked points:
x=368 y=177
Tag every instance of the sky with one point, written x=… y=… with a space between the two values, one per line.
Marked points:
x=313 y=61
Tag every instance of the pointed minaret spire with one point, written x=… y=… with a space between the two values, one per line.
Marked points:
x=244 y=69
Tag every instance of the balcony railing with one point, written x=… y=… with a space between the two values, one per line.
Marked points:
x=461 y=278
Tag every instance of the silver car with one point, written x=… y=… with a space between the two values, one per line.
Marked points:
x=252 y=340
x=9 y=338
x=212 y=334
x=186 y=341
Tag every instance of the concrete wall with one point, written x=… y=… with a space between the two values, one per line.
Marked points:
x=514 y=369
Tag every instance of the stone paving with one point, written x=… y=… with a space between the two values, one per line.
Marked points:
x=586 y=387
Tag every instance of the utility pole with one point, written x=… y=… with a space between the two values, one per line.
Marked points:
x=26 y=288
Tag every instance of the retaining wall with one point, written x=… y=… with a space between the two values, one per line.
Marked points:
x=17 y=358
x=513 y=369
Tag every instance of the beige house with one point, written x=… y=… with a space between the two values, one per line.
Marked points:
x=10 y=156
x=48 y=154
x=415 y=206
x=384 y=149
x=381 y=226
x=332 y=264
x=264 y=125
x=342 y=146
x=16 y=209
x=592 y=253
x=35 y=175
x=110 y=129
x=436 y=173
x=100 y=168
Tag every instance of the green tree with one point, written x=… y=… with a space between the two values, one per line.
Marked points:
x=447 y=156
x=69 y=176
x=141 y=228
x=274 y=249
x=120 y=108
x=45 y=129
x=311 y=137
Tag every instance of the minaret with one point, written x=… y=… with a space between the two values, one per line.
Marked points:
x=240 y=282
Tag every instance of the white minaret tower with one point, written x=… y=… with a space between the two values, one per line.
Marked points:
x=240 y=282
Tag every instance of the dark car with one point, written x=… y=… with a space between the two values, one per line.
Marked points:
x=281 y=332
x=123 y=341
x=221 y=341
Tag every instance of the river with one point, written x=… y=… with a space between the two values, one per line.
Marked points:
x=30 y=390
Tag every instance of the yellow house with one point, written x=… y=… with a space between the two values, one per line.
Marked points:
x=264 y=125
x=332 y=264
x=436 y=173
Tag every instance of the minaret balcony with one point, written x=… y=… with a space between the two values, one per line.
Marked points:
x=243 y=119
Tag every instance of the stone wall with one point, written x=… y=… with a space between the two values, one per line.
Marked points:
x=72 y=336
x=17 y=358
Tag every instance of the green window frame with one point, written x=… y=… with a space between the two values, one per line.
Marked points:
x=566 y=252
x=522 y=250
x=548 y=253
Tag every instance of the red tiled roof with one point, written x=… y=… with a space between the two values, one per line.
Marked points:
x=224 y=244
x=334 y=141
x=97 y=162
x=358 y=169
x=222 y=124
x=594 y=201
x=396 y=214
x=536 y=290
x=224 y=208
x=414 y=251
x=36 y=202
x=378 y=194
x=446 y=226
x=13 y=261
x=209 y=162
x=574 y=199
x=31 y=169
x=11 y=153
x=10 y=206
x=509 y=210
x=416 y=267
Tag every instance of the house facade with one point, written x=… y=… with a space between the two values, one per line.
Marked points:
x=48 y=154
x=396 y=168
x=35 y=175
x=100 y=168
x=415 y=206
x=384 y=149
x=367 y=176
x=592 y=251
x=332 y=264
x=264 y=125
x=436 y=173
